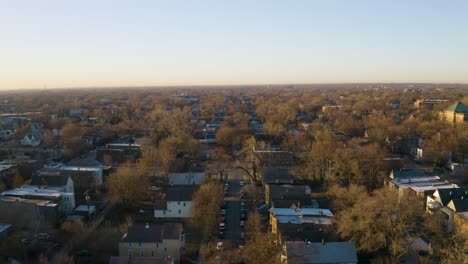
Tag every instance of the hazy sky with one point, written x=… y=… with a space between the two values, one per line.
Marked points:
x=123 y=43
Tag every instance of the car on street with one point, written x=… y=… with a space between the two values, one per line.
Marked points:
x=243 y=216
x=241 y=183
x=219 y=246
x=223 y=211
x=242 y=235
x=242 y=223
x=222 y=226
x=221 y=234
x=242 y=203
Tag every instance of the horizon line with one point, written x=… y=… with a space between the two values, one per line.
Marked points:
x=221 y=85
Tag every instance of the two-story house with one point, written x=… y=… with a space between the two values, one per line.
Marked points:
x=63 y=184
x=176 y=204
x=161 y=240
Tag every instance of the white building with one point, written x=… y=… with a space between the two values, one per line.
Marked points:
x=177 y=203
x=187 y=178
x=31 y=139
x=65 y=200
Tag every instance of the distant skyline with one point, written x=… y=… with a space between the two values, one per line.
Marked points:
x=100 y=43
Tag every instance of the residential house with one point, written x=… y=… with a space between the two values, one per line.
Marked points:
x=428 y=102
x=140 y=260
x=83 y=177
x=441 y=198
x=62 y=183
x=36 y=127
x=187 y=178
x=460 y=215
x=118 y=153
x=276 y=175
x=456 y=113
x=418 y=182
x=65 y=200
x=176 y=203
x=299 y=222
x=31 y=139
x=160 y=240
x=277 y=195
x=298 y=252
x=6 y=134
x=7 y=172
x=30 y=211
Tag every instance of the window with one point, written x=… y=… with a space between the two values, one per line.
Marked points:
x=164 y=211
x=181 y=237
x=178 y=203
x=129 y=252
x=179 y=211
x=142 y=253
x=152 y=253
x=157 y=244
x=165 y=249
x=184 y=204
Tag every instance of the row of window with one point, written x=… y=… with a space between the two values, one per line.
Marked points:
x=142 y=252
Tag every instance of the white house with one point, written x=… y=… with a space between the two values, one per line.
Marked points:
x=177 y=203
x=187 y=178
x=31 y=139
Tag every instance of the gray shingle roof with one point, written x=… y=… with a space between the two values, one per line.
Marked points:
x=50 y=180
x=180 y=193
x=153 y=233
x=328 y=252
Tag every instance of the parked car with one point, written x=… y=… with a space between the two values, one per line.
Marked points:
x=219 y=246
x=243 y=216
x=242 y=223
x=221 y=234
x=223 y=211
x=222 y=226
x=241 y=183
x=242 y=235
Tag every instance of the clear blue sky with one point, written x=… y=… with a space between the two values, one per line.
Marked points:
x=194 y=42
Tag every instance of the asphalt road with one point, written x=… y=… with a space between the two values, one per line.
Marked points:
x=233 y=229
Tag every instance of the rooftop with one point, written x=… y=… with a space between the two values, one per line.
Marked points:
x=457 y=107
x=329 y=252
x=50 y=180
x=302 y=216
x=180 y=193
x=140 y=260
x=422 y=184
x=4 y=227
x=153 y=233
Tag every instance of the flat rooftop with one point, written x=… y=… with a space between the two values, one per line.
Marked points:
x=422 y=184
x=77 y=168
x=301 y=212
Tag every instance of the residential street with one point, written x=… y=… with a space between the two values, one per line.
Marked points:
x=233 y=229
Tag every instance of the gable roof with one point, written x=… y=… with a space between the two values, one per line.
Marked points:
x=459 y=205
x=330 y=252
x=49 y=180
x=457 y=107
x=182 y=193
x=446 y=195
x=152 y=234
x=277 y=175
